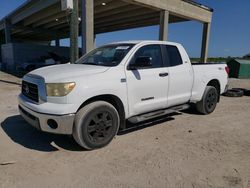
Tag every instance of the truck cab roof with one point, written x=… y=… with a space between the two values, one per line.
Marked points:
x=146 y=42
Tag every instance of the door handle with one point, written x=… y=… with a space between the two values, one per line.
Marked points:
x=165 y=74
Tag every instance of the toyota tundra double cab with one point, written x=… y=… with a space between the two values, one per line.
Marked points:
x=132 y=81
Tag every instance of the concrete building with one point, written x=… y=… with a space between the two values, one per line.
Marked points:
x=41 y=21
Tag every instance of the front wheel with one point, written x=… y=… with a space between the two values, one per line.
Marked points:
x=96 y=124
x=209 y=101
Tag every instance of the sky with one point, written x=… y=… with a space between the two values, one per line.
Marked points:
x=230 y=30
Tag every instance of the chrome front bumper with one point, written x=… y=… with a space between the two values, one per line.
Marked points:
x=40 y=121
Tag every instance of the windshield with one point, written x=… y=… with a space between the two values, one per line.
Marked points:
x=110 y=55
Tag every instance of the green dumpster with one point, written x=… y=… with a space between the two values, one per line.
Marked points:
x=239 y=68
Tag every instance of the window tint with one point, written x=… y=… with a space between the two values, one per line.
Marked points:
x=174 y=56
x=153 y=51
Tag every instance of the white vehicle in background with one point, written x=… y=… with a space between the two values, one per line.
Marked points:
x=127 y=81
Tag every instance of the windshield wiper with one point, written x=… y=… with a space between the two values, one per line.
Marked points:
x=104 y=65
x=90 y=64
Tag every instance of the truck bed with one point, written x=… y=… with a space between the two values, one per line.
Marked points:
x=212 y=63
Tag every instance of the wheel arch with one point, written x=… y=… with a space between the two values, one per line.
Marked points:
x=112 y=99
x=215 y=83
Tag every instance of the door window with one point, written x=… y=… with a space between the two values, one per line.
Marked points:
x=153 y=51
x=174 y=57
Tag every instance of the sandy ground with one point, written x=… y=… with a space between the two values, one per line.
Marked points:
x=185 y=150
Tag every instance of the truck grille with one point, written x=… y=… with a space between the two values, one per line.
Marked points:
x=30 y=90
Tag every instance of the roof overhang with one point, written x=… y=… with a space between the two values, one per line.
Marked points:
x=43 y=20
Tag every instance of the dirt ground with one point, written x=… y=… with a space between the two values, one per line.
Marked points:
x=182 y=151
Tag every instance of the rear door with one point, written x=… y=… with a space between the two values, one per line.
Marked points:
x=148 y=87
x=180 y=76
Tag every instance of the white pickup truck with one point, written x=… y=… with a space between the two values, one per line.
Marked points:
x=127 y=81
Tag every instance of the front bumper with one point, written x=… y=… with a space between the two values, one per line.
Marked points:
x=61 y=124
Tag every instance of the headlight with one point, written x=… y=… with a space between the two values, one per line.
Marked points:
x=59 y=89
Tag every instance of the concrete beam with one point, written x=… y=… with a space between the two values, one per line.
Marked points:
x=122 y=17
x=40 y=5
x=43 y=15
x=87 y=26
x=114 y=5
x=119 y=10
x=136 y=24
x=99 y=2
x=205 y=42
x=41 y=36
x=21 y=29
x=53 y=24
x=53 y=18
x=127 y=20
x=178 y=8
x=164 y=21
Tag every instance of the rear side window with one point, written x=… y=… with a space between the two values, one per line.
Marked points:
x=153 y=51
x=174 y=56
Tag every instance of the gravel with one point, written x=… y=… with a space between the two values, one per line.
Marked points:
x=184 y=150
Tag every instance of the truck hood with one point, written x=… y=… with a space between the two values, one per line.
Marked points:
x=59 y=73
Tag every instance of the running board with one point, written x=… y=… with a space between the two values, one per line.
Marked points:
x=151 y=115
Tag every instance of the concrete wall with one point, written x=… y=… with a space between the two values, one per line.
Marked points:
x=7 y=57
x=14 y=54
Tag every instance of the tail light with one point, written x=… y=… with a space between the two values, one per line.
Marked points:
x=227 y=70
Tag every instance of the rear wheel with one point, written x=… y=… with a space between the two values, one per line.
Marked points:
x=209 y=101
x=96 y=124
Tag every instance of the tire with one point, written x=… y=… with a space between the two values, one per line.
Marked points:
x=96 y=125
x=247 y=92
x=241 y=89
x=209 y=101
x=234 y=93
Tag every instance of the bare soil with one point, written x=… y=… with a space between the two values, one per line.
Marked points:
x=180 y=151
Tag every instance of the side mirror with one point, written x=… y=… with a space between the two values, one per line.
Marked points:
x=141 y=62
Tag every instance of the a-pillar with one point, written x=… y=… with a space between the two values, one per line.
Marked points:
x=205 y=42
x=87 y=26
x=164 y=21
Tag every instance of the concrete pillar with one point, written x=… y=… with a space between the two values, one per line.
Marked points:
x=87 y=26
x=74 y=32
x=94 y=41
x=7 y=31
x=205 y=42
x=164 y=20
x=57 y=42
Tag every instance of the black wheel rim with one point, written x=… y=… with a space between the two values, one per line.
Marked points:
x=99 y=127
x=211 y=100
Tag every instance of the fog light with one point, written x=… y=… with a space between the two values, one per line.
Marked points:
x=52 y=124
